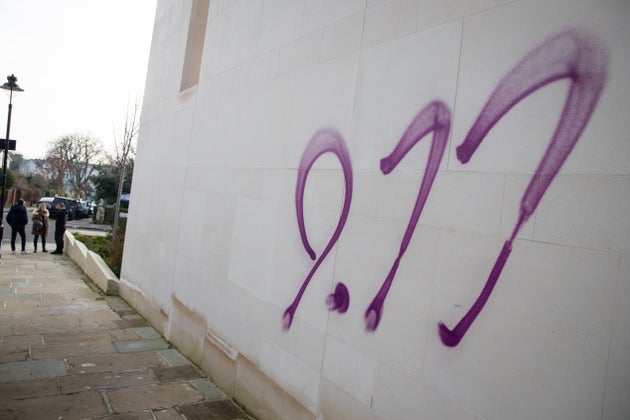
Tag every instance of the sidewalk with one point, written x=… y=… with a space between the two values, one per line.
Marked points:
x=69 y=352
x=86 y=227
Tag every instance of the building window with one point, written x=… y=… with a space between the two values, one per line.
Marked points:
x=194 y=44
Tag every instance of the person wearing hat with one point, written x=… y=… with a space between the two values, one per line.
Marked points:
x=17 y=217
x=60 y=228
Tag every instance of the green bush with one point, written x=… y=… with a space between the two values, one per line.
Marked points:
x=108 y=248
x=97 y=244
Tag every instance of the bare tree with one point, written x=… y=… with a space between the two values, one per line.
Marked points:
x=72 y=158
x=125 y=151
x=56 y=170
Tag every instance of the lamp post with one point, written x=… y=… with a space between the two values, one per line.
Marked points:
x=12 y=86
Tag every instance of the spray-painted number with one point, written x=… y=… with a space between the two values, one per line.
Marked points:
x=571 y=55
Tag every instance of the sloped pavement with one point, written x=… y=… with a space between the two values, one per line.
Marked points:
x=69 y=352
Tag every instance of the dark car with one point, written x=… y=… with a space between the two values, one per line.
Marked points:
x=72 y=206
x=83 y=209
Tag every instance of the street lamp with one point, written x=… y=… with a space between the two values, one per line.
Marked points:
x=12 y=86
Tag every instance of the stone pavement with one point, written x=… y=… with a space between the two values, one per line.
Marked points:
x=69 y=352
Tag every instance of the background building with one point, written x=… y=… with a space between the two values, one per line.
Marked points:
x=34 y=167
x=529 y=102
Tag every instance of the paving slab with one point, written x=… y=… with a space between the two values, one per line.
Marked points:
x=21 y=342
x=69 y=407
x=147 y=332
x=217 y=410
x=15 y=356
x=118 y=304
x=28 y=389
x=208 y=389
x=49 y=299
x=48 y=324
x=177 y=373
x=75 y=338
x=73 y=309
x=106 y=380
x=64 y=350
x=134 y=322
x=138 y=415
x=37 y=285
x=173 y=357
x=114 y=362
x=153 y=396
x=141 y=345
x=167 y=414
x=32 y=369
x=16 y=297
x=122 y=335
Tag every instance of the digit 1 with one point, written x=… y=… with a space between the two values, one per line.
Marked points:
x=571 y=54
x=324 y=141
x=435 y=118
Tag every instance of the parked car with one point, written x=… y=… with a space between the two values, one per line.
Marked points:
x=90 y=207
x=83 y=209
x=72 y=206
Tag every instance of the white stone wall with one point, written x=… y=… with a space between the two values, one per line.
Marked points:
x=213 y=222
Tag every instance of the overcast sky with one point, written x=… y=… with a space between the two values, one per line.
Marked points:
x=79 y=62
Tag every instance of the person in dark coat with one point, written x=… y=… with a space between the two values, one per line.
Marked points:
x=17 y=217
x=60 y=228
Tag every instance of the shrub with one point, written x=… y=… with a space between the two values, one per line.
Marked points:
x=97 y=244
x=115 y=250
x=109 y=248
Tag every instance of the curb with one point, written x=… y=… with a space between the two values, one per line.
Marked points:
x=91 y=264
x=103 y=228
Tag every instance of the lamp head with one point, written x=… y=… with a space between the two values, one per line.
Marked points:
x=12 y=85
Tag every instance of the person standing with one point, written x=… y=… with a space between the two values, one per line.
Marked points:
x=17 y=219
x=60 y=228
x=40 y=226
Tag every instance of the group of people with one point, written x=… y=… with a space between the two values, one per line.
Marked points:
x=17 y=217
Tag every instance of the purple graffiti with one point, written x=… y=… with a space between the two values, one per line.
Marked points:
x=327 y=140
x=570 y=55
x=435 y=118
x=340 y=299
